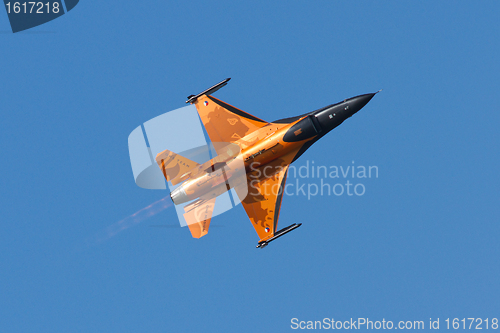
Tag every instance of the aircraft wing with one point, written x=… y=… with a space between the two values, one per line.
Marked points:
x=198 y=215
x=265 y=192
x=174 y=166
x=225 y=123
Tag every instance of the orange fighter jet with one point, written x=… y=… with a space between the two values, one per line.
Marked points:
x=261 y=151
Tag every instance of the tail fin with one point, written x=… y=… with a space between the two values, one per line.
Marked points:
x=175 y=167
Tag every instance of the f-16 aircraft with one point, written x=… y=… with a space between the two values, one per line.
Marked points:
x=260 y=150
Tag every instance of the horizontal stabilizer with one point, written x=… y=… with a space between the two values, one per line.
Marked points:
x=198 y=215
x=175 y=167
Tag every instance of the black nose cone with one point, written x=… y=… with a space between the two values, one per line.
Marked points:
x=333 y=115
x=357 y=103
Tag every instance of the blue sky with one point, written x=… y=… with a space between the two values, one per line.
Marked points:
x=421 y=243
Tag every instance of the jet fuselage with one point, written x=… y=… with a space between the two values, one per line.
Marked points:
x=265 y=145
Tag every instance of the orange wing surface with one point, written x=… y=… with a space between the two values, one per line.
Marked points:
x=174 y=166
x=224 y=122
x=198 y=216
x=265 y=192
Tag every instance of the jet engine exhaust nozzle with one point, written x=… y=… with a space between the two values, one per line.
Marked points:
x=179 y=196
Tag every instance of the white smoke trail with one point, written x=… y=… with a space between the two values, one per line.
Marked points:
x=133 y=219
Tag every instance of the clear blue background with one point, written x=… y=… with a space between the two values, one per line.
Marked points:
x=422 y=242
